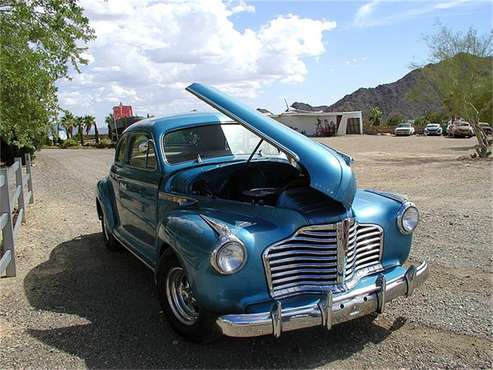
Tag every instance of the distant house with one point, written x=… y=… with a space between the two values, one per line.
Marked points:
x=322 y=123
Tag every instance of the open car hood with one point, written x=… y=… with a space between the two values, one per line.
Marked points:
x=329 y=172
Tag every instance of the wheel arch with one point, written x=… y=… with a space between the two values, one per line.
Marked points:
x=104 y=203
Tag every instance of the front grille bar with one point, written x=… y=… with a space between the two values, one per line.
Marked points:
x=323 y=258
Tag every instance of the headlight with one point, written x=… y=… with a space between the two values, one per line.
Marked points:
x=229 y=257
x=407 y=218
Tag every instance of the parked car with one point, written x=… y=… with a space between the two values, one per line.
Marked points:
x=487 y=129
x=433 y=129
x=460 y=129
x=250 y=227
x=404 y=129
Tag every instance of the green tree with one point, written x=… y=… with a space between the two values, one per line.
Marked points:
x=394 y=120
x=375 y=116
x=90 y=122
x=79 y=123
x=39 y=40
x=68 y=123
x=110 y=122
x=464 y=79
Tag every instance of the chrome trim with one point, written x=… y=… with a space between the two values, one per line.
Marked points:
x=126 y=246
x=276 y=315
x=325 y=307
x=410 y=277
x=225 y=236
x=382 y=288
x=345 y=306
x=319 y=258
x=223 y=241
x=343 y=229
x=394 y=196
x=404 y=207
x=179 y=199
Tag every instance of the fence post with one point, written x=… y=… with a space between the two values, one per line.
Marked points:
x=8 y=230
x=18 y=182
x=30 y=178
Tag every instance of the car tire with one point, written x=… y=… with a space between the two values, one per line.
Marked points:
x=184 y=313
x=109 y=240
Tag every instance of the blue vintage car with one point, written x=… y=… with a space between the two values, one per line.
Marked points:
x=252 y=228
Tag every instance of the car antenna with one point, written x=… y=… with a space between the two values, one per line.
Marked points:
x=287 y=105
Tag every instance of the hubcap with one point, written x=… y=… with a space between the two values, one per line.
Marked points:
x=180 y=298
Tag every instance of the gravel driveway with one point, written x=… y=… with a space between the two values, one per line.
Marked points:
x=74 y=304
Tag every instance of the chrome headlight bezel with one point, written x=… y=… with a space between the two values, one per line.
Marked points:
x=405 y=207
x=225 y=241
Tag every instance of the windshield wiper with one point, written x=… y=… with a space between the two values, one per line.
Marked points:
x=255 y=150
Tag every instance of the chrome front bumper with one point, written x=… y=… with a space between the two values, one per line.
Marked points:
x=331 y=308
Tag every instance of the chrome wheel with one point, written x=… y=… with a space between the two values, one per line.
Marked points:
x=180 y=298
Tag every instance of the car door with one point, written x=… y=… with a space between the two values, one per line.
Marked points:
x=139 y=188
x=116 y=171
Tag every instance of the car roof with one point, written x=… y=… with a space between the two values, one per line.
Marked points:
x=169 y=123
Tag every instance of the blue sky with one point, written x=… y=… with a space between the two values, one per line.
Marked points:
x=147 y=51
x=363 y=55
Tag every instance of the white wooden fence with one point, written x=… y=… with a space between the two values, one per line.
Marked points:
x=13 y=209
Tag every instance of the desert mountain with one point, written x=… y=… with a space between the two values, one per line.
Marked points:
x=394 y=98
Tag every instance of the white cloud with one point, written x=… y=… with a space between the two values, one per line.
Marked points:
x=366 y=15
x=356 y=61
x=147 y=51
x=365 y=12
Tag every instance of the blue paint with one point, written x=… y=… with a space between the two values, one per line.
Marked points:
x=155 y=210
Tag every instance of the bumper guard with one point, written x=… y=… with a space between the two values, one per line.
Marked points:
x=330 y=310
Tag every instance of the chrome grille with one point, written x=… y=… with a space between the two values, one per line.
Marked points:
x=364 y=250
x=318 y=257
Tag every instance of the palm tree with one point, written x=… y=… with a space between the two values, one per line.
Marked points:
x=68 y=123
x=110 y=122
x=79 y=122
x=90 y=122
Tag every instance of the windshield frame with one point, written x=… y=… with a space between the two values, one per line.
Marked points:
x=283 y=156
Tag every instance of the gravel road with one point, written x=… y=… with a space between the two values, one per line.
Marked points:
x=74 y=304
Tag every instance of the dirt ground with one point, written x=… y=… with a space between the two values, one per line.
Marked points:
x=74 y=304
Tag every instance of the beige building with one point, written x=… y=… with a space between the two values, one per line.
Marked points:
x=322 y=123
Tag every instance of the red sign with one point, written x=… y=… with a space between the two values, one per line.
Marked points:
x=121 y=111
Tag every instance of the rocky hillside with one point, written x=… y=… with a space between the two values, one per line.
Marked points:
x=393 y=99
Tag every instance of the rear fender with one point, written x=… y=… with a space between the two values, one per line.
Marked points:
x=105 y=199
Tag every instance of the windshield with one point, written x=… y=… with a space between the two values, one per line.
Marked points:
x=214 y=141
x=404 y=125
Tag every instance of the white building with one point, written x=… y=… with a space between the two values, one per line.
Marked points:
x=322 y=123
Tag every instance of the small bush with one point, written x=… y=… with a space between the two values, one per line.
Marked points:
x=104 y=143
x=70 y=143
x=394 y=120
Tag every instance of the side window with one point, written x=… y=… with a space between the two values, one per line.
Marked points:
x=122 y=148
x=151 y=156
x=142 y=153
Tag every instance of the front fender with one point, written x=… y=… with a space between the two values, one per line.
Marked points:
x=376 y=208
x=193 y=240
x=104 y=195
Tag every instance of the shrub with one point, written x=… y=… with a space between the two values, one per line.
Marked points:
x=70 y=143
x=104 y=143
x=394 y=120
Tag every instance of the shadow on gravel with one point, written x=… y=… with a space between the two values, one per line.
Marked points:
x=122 y=326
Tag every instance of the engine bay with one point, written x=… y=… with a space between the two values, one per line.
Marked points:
x=251 y=182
